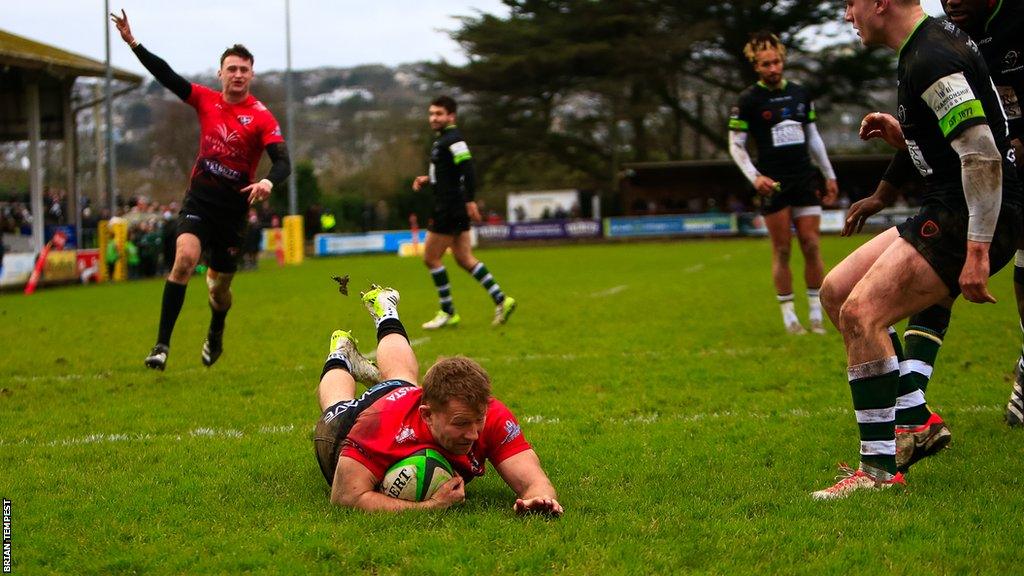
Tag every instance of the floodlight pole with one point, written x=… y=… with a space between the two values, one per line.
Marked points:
x=111 y=159
x=293 y=192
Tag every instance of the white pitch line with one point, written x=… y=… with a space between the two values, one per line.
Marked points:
x=694 y=268
x=610 y=291
x=648 y=418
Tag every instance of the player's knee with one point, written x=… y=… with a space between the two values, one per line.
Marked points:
x=781 y=253
x=855 y=318
x=809 y=246
x=184 y=264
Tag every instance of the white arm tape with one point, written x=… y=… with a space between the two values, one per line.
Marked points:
x=738 y=151
x=981 y=170
x=816 y=146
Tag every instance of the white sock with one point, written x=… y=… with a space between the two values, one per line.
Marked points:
x=788 y=311
x=814 y=304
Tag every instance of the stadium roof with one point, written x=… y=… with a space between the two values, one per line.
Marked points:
x=20 y=52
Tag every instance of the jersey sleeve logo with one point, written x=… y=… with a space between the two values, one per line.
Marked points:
x=953 y=102
x=512 y=431
x=460 y=152
x=735 y=123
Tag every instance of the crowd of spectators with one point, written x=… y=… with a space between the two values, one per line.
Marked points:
x=149 y=250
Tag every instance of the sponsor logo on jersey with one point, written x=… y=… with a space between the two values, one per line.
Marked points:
x=193 y=217
x=1011 y=61
x=406 y=434
x=244 y=120
x=512 y=431
x=398 y=393
x=929 y=229
x=901 y=114
x=947 y=93
x=767 y=114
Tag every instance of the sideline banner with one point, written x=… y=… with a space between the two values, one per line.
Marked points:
x=676 y=225
x=379 y=241
x=544 y=230
x=17 y=268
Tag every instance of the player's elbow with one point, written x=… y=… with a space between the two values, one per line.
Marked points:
x=343 y=498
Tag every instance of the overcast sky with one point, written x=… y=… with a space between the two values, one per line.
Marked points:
x=191 y=34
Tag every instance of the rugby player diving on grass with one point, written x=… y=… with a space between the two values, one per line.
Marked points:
x=357 y=439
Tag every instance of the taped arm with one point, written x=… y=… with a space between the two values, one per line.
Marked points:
x=816 y=146
x=738 y=151
x=981 y=170
x=162 y=72
x=281 y=164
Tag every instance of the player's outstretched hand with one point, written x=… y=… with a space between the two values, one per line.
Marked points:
x=121 y=22
x=859 y=212
x=974 y=276
x=451 y=492
x=474 y=212
x=258 y=191
x=419 y=182
x=884 y=126
x=547 y=506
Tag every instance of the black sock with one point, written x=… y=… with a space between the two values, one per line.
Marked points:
x=391 y=326
x=335 y=362
x=217 y=319
x=174 y=298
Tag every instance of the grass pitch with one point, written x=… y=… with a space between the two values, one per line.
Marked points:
x=683 y=429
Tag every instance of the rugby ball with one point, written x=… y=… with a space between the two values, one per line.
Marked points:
x=417 y=476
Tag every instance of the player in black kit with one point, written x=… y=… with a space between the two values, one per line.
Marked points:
x=454 y=182
x=997 y=27
x=780 y=115
x=951 y=129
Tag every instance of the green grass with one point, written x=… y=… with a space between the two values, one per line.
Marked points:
x=683 y=429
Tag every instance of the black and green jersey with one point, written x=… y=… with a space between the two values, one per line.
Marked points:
x=1002 y=46
x=775 y=118
x=943 y=89
x=451 y=170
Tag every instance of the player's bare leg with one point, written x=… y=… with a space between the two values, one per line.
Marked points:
x=778 y=224
x=808 y=233
x=433 y=250
x=186 y=256
x=839 y=282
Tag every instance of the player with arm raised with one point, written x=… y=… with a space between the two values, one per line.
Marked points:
x=356 y=440
x=780 y=116
x=234 y=130
x=955 y=136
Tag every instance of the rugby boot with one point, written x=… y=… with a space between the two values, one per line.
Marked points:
x=382 y=302
x=504 y=310
x=442 y=320
x=863 y=478
x=796 y=328
x=1015 y=407
x=343 y=347
x=213 y=347
x=157 y=359
x=916 y=442
x=817 y=327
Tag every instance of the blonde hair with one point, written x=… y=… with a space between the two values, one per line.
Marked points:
x=457 y=377
x=763 y=41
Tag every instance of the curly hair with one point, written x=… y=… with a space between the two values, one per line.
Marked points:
x=763 y=41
